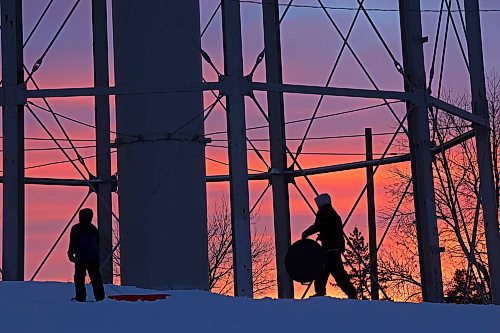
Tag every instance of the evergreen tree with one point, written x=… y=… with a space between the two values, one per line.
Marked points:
x=460 y=294
x=357 y=271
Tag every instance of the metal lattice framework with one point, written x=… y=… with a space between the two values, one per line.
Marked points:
x=235 y=87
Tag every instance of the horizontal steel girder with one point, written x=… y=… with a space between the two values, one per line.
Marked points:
x=349 y=166
x=267 y=175
x=226 y=88
x=58 y=181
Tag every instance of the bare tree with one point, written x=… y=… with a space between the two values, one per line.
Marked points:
x=220 y=261
x=220 y=253
x=458 y=202
x=399 y=271
x=116 y=254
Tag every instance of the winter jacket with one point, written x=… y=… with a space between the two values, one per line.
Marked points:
x=84 y=243
x=329 y=225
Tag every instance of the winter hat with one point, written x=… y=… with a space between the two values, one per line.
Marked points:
x=323 y=200
x=86 y=215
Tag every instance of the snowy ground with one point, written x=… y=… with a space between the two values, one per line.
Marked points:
x=46 y=307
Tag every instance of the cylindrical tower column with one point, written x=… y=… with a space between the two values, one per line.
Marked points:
x=161 y=165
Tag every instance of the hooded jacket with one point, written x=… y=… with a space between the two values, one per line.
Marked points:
x=329 y=225
x=84 y=243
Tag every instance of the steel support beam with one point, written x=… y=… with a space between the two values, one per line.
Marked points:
x=225 y=86
x=277 y=138
x=61 y=182
x=58 y=182
x=328 y=91
x=13 y=141
x=483 y=144
x=236 y=127
x=103 y=147
x=420 y=150
x=348 y=166
x=372 y=226
x=456 y=111
x=115 y=91
x=266 y=176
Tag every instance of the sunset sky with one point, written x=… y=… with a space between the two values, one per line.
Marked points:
x=309 y=48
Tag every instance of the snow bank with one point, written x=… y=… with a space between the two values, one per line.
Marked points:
x=46 y=307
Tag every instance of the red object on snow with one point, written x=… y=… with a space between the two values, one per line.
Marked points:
x=135 y=298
